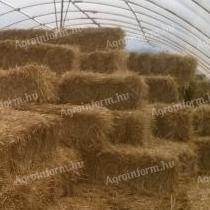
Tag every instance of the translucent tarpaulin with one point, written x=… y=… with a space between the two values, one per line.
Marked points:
x=176 y=25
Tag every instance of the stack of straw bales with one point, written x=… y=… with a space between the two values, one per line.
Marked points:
x=99 y=120
x=31 y=159
x=103 y=61
x=180 y=67
x=92 y=130
x=26 y=85
x=162 y=89
x=58 y=58
x=115 y=91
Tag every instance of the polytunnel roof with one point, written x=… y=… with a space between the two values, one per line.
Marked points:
x=177 y=25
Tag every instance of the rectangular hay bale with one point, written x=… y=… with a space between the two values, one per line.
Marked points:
x=198 y=89
x=162 y=89
x=142 y=169
x=21 y=34
x=29 y=84
x=58 y=58
x=114 y=91
x=129 y=127
x=203 y=153
x=103 y=61
x=87 y=131
x=93 y=39
x=201 y=120
x=26 y=138
x=172 y=124
x=183 y=151
x=181 y=67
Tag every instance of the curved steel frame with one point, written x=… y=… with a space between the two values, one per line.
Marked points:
x=145 y=28
x=114 y=6
x=113 y=14
x=142 y=28
x=137 y=20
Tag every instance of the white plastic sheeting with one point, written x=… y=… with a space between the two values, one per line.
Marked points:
x=176 y=25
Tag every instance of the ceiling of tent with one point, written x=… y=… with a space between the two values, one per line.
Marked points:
x=177 y=25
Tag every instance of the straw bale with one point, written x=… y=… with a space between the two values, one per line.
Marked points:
x=93 y=39
x=87 y=131
x=130 y=127
x=140 y=63
x=19 y=56
x=26 y=138
x=180 y=67
x=59 y=58
x=201 y=88
x=70 y=158
x=201 y=120
x=21 y=34
x=157 y=171
x=203 y=152
x=103 y=61
x=61 y=176
x=184 y=152
x=162 y=89
x=172 y=124
x=198 y=89
x=25 y=85
x=88 y=39
x=100 y=197
x=115 y=91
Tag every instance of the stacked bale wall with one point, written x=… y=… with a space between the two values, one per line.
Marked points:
x=97 y=133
